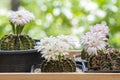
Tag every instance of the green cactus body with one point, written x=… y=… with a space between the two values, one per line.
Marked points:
x=108 y=61
x=16 y=42
x=66 y=65
x=99 y=62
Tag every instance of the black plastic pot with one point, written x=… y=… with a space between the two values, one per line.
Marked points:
x=18 y=60
x=83 y=65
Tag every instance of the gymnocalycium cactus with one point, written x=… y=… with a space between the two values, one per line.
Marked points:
x=64 y=65
x=18 y=41
x=97 y=52
x=54 y=49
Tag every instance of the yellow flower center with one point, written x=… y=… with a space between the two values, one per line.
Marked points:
x=20 y=16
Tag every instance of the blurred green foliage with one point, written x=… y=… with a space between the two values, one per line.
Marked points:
x=68 y=17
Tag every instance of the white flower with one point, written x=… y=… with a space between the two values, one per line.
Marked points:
x=100 y=28
x=93 y=42
x=21 y=17
x=53 y=48
x=67 y=39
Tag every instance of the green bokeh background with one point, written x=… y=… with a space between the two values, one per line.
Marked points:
x=67 y=17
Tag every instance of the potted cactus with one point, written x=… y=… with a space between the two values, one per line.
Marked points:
x=17 y=51
x=99 y=55
x=54 y=50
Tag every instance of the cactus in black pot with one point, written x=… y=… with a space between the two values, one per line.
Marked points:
x=17 y=53
x=54 y=49
x=17 y=40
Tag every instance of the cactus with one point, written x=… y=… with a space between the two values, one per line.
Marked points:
x=16 y=42
x=54 y=50
x=97 y=51
x=66 y=65
x=108 y=61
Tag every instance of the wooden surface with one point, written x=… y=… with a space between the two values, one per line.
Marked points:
x=59 y=76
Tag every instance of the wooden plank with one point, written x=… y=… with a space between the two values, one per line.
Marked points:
x=60 y=76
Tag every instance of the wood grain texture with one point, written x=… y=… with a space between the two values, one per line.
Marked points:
x=59 y=76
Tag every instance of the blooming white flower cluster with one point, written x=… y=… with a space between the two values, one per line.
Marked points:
x=55 y=48
x=21 y=17
x=103 y=29
x=94 y=40
x=67 y=39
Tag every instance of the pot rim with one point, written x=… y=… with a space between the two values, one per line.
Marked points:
x=18 y=51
